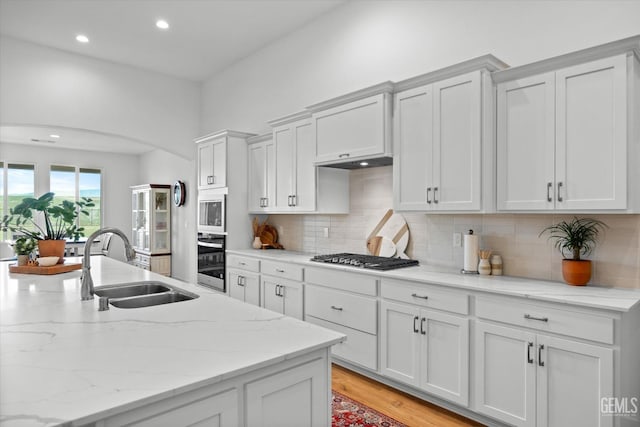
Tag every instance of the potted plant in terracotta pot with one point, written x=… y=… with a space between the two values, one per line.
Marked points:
x=576 y=237
x=23 y=247
x=59 y=222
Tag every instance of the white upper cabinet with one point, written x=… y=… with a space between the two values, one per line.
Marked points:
x=567 y=137
x=212 y=163
x=353 y=127
x=283 y=177
x=443 y=140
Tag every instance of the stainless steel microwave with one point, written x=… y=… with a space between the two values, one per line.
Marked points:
x=212 y=212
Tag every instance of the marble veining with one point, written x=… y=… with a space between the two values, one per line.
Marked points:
x=606 y=298
x=62 y=362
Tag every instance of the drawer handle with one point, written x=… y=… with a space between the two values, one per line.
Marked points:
x=540 y=361
x=279 y=270
x=415 y=326
x=336 y=308
x=422 y=331
x=419 y=296
x=541 y=319
x=529 y=359
x=343 y=155
x=242 y=263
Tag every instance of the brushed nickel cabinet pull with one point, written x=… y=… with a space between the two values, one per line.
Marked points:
x=541 y=319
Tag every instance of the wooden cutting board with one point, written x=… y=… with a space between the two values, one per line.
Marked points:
x=36 y=269
x=390 y=236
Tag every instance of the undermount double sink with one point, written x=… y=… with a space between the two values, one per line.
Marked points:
x=143 y=294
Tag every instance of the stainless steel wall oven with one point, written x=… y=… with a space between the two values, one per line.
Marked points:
x=211 y=261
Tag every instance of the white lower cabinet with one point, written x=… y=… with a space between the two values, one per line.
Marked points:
x=293 y=398
x=244 y=286
x=426 y=349
x=283 y=296
x=529 y=379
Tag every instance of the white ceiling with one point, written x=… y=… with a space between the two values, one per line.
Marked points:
x=205 y=36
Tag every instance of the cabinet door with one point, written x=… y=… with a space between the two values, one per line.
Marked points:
x=400 y=342
x=526 y=141
x=591 y=135
x=444 y=361
x=235 y=283
x=573 y=375
x=351 y=130
x=270 y=174
x=271 y=298
x=505 y=374
x=219 y=163
x=413 y=149
x=284 y=152
x=293 y=398
x=257 y=176
x=252 y=289
x=292 y=293
x=305 y=173
x=457 y=139
x=205 y=164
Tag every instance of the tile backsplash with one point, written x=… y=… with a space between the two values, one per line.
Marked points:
x=513 y=236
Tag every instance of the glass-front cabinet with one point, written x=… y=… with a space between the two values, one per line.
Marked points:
x=151 y=227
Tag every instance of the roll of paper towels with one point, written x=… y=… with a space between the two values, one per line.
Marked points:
x=471 y=246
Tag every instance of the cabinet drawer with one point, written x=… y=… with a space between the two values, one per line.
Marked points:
x=425 y=295
x=359 y=347
x=354 y=311
x=571 y=323
x=282 y=269
x=351 y=282
x=244 y=263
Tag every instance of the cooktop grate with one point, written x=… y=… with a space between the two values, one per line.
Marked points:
x=365 y=261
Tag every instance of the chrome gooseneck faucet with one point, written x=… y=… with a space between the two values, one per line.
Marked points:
x=87 y=282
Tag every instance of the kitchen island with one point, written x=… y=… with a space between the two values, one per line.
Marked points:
x=63 y=362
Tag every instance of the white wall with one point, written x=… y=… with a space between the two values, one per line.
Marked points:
x=366 y=42
x=44 y=86
x=119 y=172
x=160 y=167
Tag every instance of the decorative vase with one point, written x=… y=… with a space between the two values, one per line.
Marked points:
x=52 y=248
x=257 y=243
x=22 y=259
x=484 y=267
x=576 y=272
x=496 y=265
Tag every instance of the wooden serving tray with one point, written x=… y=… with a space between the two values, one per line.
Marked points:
x=36 y=269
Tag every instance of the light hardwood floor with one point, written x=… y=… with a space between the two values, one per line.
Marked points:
x=393 y=403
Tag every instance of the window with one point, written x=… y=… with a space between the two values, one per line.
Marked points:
x=72 y=183
x=17 y=181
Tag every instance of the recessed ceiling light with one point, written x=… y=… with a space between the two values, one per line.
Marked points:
x=364 y=163
x=53 y=135
x=82 y=38
x=162 y=24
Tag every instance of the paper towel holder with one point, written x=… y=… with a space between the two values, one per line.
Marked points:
x=463 y=271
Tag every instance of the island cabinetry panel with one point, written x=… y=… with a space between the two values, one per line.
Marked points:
x=555 y=129
x=529 y=379
x=295 y=397
x=192 y=409
x=426 y=349
x=244 y=286
x=355 y=126
x=439 y=144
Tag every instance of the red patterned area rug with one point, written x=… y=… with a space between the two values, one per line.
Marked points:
x=349 y=413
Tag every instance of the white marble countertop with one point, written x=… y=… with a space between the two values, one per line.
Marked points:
x=606 y=298
x=63 y=362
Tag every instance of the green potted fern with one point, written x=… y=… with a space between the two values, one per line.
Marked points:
x=575 y=238
x=59 y=222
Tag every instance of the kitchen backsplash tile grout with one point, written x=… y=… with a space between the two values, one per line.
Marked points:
x=514 y=236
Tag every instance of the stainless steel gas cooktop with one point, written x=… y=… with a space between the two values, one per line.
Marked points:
x=365 y=261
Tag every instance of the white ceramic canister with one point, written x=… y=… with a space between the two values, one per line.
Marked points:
x=484 y=267
x=496 y=265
